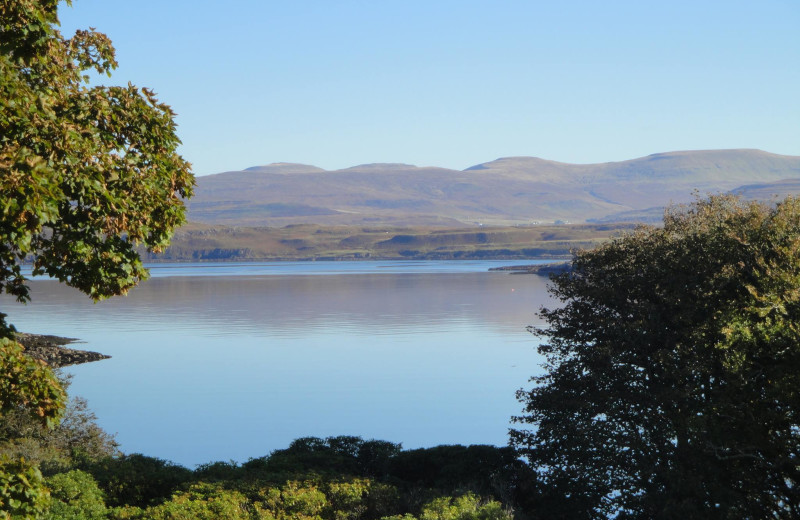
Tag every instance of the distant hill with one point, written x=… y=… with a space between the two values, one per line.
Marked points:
x=507 y=191
x=769 y=190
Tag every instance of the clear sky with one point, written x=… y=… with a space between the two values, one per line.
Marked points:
x=453 y=83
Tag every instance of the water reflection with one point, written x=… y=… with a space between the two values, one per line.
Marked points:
x=290 y=305
x=228 y=367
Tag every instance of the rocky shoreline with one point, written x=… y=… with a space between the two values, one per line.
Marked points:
x=542 y=269
x=52 y=351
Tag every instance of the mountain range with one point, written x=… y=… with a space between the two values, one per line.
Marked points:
x=507 y=191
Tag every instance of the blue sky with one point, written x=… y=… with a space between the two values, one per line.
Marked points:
x=336 y=83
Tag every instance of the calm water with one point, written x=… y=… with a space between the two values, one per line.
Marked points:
x=231 y=361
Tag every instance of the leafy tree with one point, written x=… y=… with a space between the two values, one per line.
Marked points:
x=199 y=502
x=672 y=384
x=345 y=454
x=86 y=174
x=22 y=491
x=76 y=439
x=465 y=507
x=138 y=487
x=293 y=500
x=75 y=496
x=29 y=385
x=137 y=479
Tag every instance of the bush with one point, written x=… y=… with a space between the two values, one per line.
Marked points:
x=75 y=496
x=137 y=480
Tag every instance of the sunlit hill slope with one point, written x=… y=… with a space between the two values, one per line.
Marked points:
x=507 y=191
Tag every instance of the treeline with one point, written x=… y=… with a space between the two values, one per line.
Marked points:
x=333 y=478
x=344 y=477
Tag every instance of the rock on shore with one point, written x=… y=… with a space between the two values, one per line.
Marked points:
x=52 y=351
x=540 y=269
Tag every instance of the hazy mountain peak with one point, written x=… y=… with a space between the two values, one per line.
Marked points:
x=284 y=168
x=381 y=167
x=518 y=163
x=727 y=153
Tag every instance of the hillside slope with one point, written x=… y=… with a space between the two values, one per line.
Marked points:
x=507 y=191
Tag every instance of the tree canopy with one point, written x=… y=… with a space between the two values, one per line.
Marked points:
x=87 y=173
x=672 y=382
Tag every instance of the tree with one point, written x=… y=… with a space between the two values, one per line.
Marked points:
x=76 y=439
x=26 y=384
x=86 y=174
x=75 y=496
x=464 y=507
x=672 y=383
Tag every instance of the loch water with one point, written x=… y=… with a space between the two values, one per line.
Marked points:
x=231 y=361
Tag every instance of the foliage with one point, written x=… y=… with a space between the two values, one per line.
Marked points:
x=199 y=502
x=481 y=469
x=75 y=439
x=464 y=507
x=673 y=371
x=314 y=478
x=136 y=487
x=293 y=500
x=79 y=436
x=340 y=499
x=420 y=475
x=22 y=492
x=75 y=496
x=31 y=404
x=360 y=498
x=334 y=500
x=343 y=454
x=30 y=388
x=86 y=172
x=136 y=479
x=28 y=384
x=219 y=470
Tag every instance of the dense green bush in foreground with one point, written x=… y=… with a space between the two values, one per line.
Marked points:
x=327 y=479
x=313 y=478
